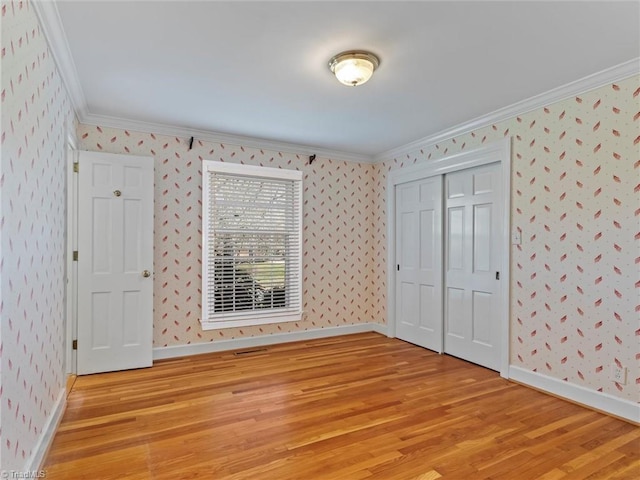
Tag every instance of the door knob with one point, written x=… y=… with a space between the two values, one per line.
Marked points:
x=146 y=273
x=117 y=193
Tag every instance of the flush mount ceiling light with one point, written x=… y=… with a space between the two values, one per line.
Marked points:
x=354 y=67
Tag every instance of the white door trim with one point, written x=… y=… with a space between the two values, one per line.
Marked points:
x=71 y=283
x=495 y=152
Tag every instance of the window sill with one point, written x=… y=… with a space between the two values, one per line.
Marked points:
x=250 y=321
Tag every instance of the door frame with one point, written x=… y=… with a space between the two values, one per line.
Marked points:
x=496 y=152
x=71 y=277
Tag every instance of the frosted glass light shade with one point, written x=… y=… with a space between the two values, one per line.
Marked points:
x=353 y=68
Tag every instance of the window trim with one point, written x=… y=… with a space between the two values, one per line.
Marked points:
x=255 y=317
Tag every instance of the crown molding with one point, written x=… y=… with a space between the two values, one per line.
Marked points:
x=51 y=24
x=590 y=82
x=49 y=17
x=217 y=137
x=47 y=13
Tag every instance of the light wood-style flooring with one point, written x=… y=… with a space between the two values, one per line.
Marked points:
x=353 y=407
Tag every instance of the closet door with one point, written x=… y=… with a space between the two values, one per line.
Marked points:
x=473 y=223
x=419 y=262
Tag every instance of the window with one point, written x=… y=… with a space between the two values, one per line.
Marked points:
x=252 y=245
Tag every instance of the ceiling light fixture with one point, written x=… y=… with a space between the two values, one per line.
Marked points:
x=354 y=67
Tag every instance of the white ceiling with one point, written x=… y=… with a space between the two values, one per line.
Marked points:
x=259 y=69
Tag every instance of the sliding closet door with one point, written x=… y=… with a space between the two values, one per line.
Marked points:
x=473 y=222
x=419 y=262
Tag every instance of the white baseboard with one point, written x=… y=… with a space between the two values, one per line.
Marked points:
x=575 y=393
x=381 y=329
x=39 y=453
x=160 y=353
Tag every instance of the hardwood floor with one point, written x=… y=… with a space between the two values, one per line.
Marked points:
x=354 y=407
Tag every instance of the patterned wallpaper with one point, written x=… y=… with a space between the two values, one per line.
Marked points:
x=337 y=233
x=575 y=198
x=35 y=111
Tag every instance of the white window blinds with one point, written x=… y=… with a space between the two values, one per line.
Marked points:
x=251 y=244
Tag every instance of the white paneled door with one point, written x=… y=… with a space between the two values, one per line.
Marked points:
x=473 y=243
x=419 y=262
x=115 y=262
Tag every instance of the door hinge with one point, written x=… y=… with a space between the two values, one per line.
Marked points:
x=74 y=345
x=76 y=167
x=497 y=275
x=75 y=255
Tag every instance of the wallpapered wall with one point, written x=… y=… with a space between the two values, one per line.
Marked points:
x=35 y=112
x=575 y=198
x=337 y=233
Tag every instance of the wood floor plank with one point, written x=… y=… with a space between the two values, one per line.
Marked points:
x=358 y=407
